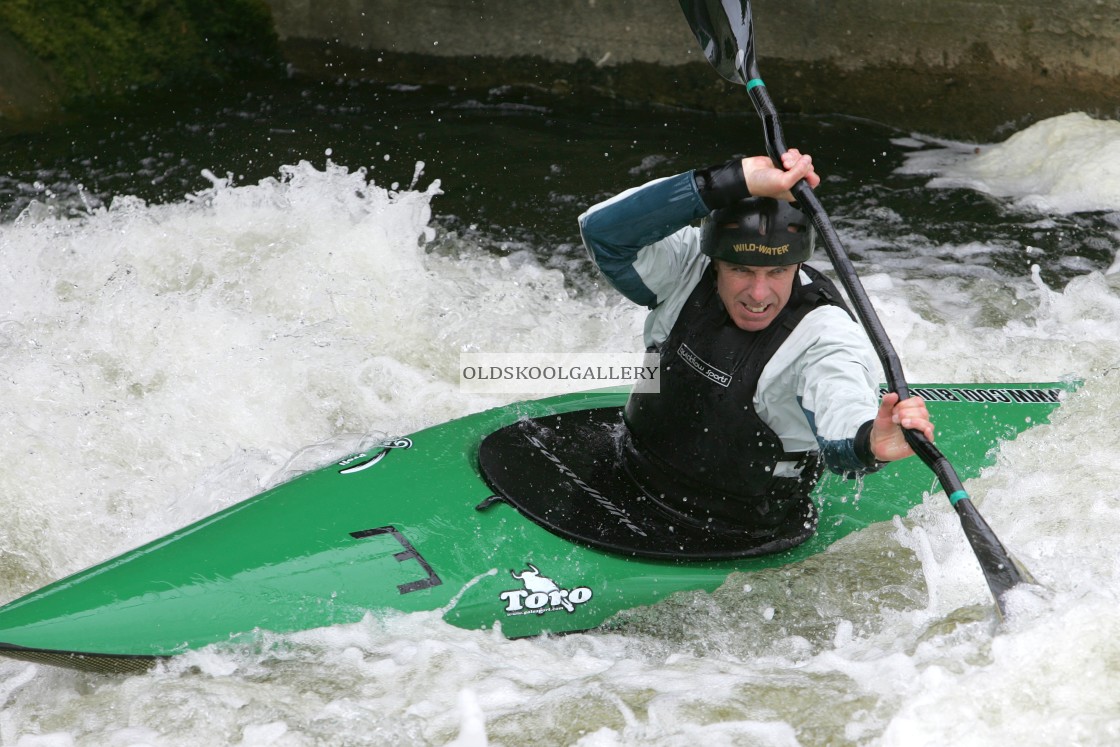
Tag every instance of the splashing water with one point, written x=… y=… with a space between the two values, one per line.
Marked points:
x=159 y=362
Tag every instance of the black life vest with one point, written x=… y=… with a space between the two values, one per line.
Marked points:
x=698 y=447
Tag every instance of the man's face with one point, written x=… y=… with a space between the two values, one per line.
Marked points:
x=753 y=296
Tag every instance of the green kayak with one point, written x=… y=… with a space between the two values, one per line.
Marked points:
x=414 y=525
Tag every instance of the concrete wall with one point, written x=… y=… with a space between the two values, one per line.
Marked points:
x=965 y=68
x=961 y=67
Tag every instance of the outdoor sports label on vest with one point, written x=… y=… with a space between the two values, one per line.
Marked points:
x=541 y=594
x=705 y=369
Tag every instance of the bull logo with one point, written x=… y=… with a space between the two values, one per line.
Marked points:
x=541 y=594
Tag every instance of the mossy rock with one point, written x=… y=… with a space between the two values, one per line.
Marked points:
x=97 y=48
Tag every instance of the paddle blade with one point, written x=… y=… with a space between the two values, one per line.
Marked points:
x=726 y=34
x=1002 y=570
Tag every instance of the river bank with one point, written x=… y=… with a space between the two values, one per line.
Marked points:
x=59 y=59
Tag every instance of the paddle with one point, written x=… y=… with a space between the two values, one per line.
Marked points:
x=725 y=31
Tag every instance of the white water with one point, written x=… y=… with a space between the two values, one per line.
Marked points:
x=158 y=363
x=1066 y=164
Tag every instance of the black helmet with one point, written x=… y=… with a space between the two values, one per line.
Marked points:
x=758 y=231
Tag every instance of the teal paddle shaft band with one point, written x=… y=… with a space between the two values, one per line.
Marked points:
x=958 y=496
x=754 y=82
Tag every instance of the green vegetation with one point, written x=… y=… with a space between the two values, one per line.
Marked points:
x=99 y=48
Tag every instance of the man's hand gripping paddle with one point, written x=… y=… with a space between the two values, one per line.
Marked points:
x=725 y=31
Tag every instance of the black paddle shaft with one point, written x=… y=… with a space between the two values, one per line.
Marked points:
x=725 y=30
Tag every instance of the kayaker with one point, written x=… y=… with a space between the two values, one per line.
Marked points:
x=766 y=378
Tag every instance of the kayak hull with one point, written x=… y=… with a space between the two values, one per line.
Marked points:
x=408 y=527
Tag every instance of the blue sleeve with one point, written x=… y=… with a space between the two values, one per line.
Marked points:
x=615 y=231
x=847 y=456
x=841 y=459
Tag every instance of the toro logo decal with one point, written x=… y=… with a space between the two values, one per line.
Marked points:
x=541 y=594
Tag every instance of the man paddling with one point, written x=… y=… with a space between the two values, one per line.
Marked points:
x=765 y=377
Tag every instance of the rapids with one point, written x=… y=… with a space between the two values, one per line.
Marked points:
x=166 y=354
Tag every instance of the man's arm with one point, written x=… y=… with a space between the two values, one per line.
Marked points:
x=616 y=230
x=879 y=440
x=887 y=441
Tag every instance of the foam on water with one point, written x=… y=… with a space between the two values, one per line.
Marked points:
x=160 y=362
x=1066 y=164
x=157 y=359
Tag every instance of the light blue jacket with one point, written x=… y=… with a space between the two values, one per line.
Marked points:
x=822 y=383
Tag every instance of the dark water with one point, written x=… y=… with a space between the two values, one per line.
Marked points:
x=516 y=165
